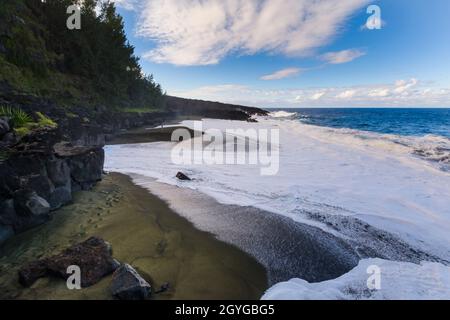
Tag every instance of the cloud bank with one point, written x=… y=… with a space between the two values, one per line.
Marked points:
x=203 y=32
x=402 y=93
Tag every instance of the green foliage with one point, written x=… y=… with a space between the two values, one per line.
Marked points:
x=92 y=66
x=44 y=121
x=22 y=131
x=23 y=124
x=18 y=117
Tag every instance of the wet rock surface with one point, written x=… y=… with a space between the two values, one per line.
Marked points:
x=182 y=176
x=127 y=284
x=209 y=109
x=93 y=257
x=55 y=162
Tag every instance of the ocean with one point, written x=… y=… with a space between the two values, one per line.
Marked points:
x=425 y=131
x=378 y=179
x=407 y=122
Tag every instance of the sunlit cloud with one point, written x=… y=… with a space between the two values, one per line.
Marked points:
x=317 y=95
x=402 y=93
x=343 y=56
x=203 y=32
x=347 y=94
x=282 y=74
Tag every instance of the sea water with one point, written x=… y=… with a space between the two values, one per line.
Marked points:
x=388 y=168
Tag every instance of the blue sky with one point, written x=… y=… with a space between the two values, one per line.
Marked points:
x=295 y=53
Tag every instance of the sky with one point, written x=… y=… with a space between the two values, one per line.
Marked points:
x=295 y=53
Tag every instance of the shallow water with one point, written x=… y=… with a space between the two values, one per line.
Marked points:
x=143 y=232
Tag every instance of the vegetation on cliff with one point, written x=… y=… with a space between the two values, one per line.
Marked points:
x=92 y=66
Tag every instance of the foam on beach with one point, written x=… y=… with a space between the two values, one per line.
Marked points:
x=399 y=281
x=325 y=174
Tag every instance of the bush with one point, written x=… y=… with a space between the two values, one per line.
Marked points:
x=18 y=117
x=22 y=131
x=44 y=121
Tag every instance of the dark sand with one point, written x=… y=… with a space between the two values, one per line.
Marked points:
x=286 y=248
x=145 y=135
x=145 y=233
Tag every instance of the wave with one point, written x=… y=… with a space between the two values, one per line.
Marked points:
x=324 y=172
x=398 y=281
x=282 y=114
x=432 y=148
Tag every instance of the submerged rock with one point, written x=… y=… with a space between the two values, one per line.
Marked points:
x=93 y=256
x=127 y=284
x=182 y=176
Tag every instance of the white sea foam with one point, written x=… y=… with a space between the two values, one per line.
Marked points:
x=282 y=114
x=398 y=281
x=375 y=178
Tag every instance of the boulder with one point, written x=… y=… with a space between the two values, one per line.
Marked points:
x=127 y=284
x=93 y=256
x=182 y=176
x=87 y=169
x=40 y=183
x=60 y=196
x=31 y=210
x=58 y=171
x=32 y=272
x=28 y=203
x=8 y=139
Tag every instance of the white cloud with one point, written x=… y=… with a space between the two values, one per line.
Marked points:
x=379 y=92
x=402 y=86
x=317 y=95
x=343 y=56
x=402 y=93
x=127 y=4
x=202 y=32
x=347 y=94
x=282 y=74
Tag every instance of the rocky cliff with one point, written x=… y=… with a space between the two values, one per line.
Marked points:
x=209 y=109
x=40 y=171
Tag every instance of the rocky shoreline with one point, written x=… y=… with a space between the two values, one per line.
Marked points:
x=176 y=259
x=40 y=172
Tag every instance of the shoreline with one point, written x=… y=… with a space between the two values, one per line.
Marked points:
x=287 y=249
x=145 y=232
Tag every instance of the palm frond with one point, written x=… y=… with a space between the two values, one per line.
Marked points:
x=19 y=118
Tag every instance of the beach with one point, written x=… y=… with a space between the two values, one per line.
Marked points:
x=144 y=232
x=231 y=233
x=338 y=201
